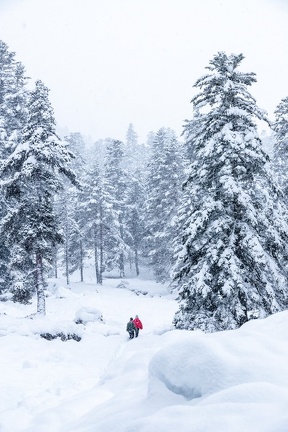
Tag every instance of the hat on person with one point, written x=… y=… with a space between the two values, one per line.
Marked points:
x=131 y=319
x=136 y=316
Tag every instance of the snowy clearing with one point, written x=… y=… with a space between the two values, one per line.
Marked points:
x=166 y=380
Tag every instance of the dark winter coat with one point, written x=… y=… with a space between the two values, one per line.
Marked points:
x=130 y=327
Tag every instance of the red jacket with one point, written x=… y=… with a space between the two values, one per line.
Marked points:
x=138 y=323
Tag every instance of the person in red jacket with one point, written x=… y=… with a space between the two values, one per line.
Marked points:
x=138 y=325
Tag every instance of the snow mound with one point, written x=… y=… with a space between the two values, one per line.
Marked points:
x=202 y=365
x=57 y=290
x=87 y=314
x=40 y=326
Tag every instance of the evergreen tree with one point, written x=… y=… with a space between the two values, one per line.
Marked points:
x=77 y=248
x=71 y=212
x=33 y=175
x=280 y=156
x=101 y=221
x=165 y=176
x=191 y=130
x=76 y=144
x=135 y=154
x=13 y=101
x=134 y=217
x=65 y=208
x=95 y=225
x=131 y=139
x=116 y=179
x=232 y=252
x=99 y=151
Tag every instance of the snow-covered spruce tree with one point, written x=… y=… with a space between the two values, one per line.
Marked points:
x=131 y=140
x=134 y=217
x=191 y=130
x=135 y=155
x=232 y=252
x=13 y=97
x=94 y=227
x=116 y=183
x=65 y=208
x=163 y=186
x=32 y=176
x=13 y=100
x=280 y=153
x=70 y=211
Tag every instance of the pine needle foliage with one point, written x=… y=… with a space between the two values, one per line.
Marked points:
x=232 y=250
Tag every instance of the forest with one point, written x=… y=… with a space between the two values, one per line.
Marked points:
x=207 y=212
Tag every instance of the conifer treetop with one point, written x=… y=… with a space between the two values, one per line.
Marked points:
x=223 y=92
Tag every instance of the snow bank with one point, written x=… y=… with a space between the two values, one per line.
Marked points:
x=240 y=375
x=205 y=364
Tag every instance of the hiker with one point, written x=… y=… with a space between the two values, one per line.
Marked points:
x=138 y=325
x=131 y=329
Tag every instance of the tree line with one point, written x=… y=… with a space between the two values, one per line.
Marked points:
x=208 y=213
x=62 y=202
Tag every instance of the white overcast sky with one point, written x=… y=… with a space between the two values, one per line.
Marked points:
x=109 y=63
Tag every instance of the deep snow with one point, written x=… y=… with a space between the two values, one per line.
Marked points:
x=166 y=380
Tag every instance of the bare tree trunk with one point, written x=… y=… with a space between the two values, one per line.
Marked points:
x=55 y=262
x=98 y=278
x=66 y=261
x=121 y=258
x=121 y=265
x=66 y=242
x=136 y=262
x=101 y=249
x=41 y=310
x=81 y=261
x=96 y=258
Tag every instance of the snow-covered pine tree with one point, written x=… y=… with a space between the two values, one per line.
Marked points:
x=116 y=183
x=98 y=149
x=280 y=150
x=232 y=252
x=65 y=207
x=70 y=209
x=135 y=154
x=77 y=248
x=163 y=185
x=13 y=101
x=131 y=139
x=94 y=225
x=134 y=216
x=190 y=131
x=100 y=220
x=33 y=175
x=76 y=143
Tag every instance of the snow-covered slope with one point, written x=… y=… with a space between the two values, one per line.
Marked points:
x=166 y=380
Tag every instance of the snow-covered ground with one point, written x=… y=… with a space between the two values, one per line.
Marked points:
x=166 y=380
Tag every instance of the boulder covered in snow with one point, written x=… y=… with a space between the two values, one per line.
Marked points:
x=87 y=314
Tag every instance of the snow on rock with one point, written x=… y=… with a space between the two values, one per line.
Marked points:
x=87 y=314
x=38 y=325
x=57 y=289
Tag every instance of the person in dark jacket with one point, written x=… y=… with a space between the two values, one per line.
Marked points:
x=138 y=325
x=131 y=329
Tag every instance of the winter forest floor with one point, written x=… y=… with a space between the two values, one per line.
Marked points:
x=166 y=380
